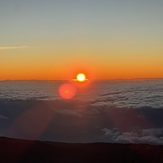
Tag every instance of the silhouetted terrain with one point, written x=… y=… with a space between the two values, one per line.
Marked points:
x=22 y=151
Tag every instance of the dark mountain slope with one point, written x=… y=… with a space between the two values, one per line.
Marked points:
x=17 y=150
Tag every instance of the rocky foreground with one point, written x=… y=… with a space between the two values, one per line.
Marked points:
x=23 y=151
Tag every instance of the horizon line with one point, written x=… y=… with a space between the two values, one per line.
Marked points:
x=98 y=79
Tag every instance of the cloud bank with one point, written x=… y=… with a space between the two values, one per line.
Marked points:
x=150 y=136
x=12 y=47
x=3 y=117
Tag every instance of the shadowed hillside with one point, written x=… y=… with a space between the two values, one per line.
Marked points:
x=17 y=150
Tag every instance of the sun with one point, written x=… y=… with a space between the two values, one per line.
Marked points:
x=81 y=77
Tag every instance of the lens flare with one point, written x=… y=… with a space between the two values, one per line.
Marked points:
x=67 y=91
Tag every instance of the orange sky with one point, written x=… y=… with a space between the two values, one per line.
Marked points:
x=109 y=40
x=44 y=70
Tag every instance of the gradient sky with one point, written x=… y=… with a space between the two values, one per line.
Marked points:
x=54 y=39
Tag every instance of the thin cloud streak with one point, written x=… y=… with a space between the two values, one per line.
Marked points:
x=12 y=47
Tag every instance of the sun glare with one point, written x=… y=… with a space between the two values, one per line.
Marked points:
x=81 y=77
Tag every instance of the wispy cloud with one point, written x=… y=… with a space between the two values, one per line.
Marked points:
x=12 y=47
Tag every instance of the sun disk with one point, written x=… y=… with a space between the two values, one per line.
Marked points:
x=81 y=77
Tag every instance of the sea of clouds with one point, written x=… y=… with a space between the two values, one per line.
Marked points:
x=104 y=111
x=120 y=93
